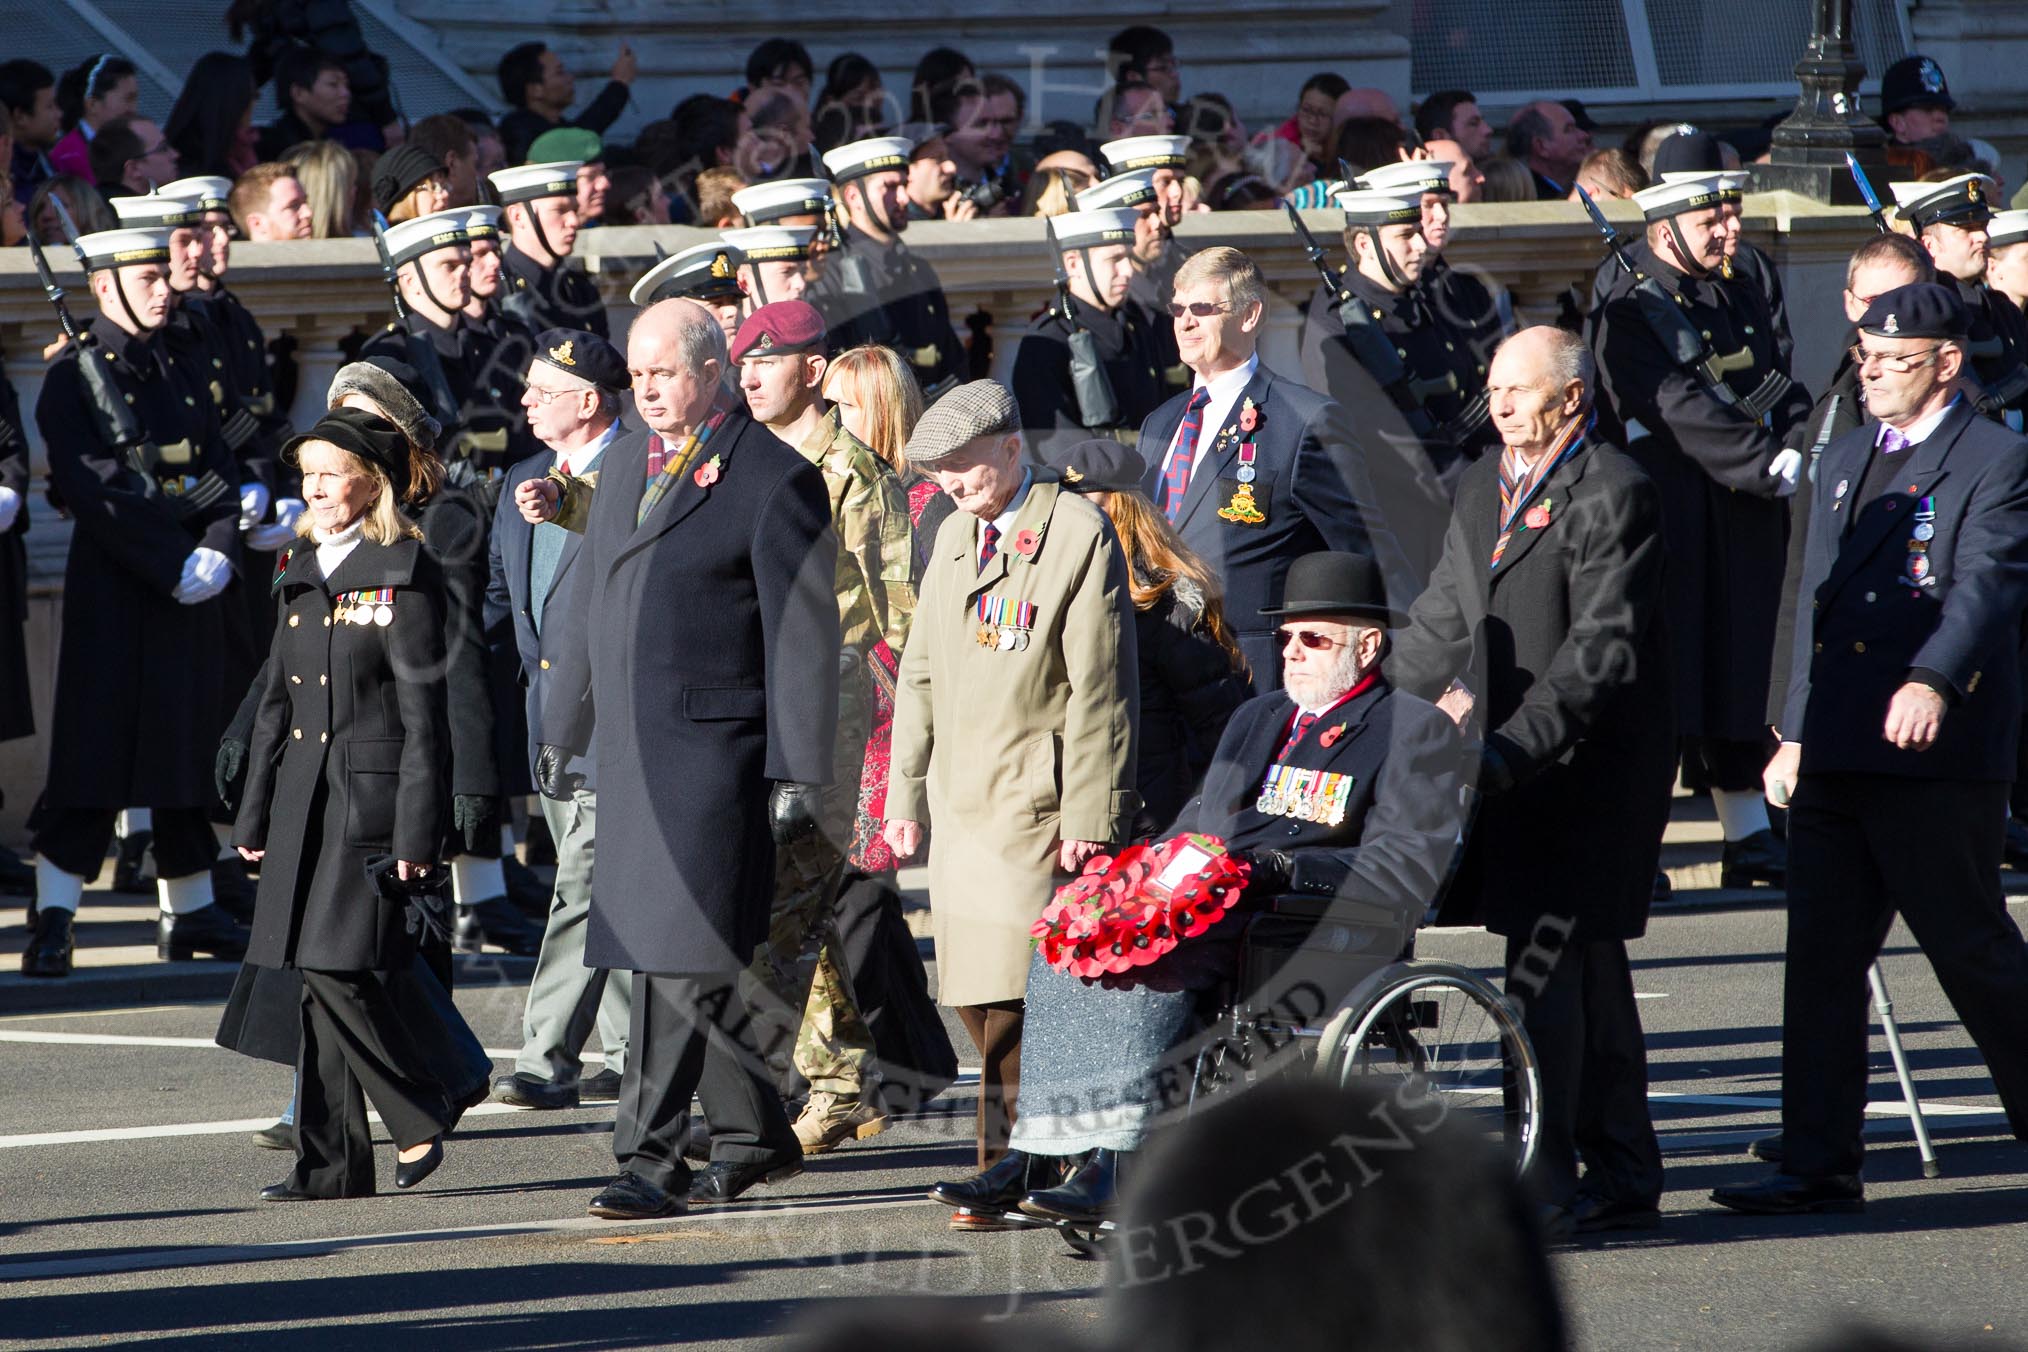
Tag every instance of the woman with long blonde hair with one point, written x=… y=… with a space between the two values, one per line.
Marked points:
x=878 y=401
x=330 y=179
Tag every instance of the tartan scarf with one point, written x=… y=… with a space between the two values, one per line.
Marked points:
x=1518 y=481
x=674 y=464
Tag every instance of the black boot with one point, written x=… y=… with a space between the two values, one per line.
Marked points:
x=496 y=922
x=989 y=1200
x=130 y=871
x=1759 y=858
x=50 y=944
x=1086 y=1198
x=208 y=930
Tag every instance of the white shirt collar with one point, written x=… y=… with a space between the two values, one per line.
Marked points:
x=574 y=461
x=1224 y=390
x=1922 y=428
x=1005 y=521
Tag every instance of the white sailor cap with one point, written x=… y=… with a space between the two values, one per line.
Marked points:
x=1964 y=200
x=1732 y=183
x=426 y=234
x=874 y=155
x=481 y=222
x=1408 y=176
x=1691 y=192
x=765 y=202
x=1379 y=208
x=528 y=182
x=1145 y=152
x=2006 y=227
x=1088 y=229
x=125 y=247
x=209 y=191
x=157 y=209
x=771 y=243
x=1135 y=189
x=701 y=272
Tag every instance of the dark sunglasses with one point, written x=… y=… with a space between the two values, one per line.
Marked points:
x=1203 y=309
x=1311 y=639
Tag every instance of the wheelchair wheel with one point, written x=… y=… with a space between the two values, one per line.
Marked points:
x=1436 y=1028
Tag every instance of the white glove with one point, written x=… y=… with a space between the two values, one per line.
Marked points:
x=1787 y=468
x=205 y=574
x=253 y=504
x=289 y=510
x=10 y=507
x=271 y=537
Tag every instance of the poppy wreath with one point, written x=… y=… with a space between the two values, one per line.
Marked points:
x=1108 y=920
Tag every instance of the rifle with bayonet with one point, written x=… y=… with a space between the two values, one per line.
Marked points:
x=1866 y=191
x=1097 y=407
x=1373 y=350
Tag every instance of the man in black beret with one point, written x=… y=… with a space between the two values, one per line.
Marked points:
x=1898 y=738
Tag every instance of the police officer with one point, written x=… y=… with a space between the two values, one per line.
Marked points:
x=1378 y=344
x=1462 y=299
x=1950 y=219
x=781 y=356
x=875 y=289
x=140 y=695
x=539 y=202
x=707 y=273
x=1898 y=739
x=1696 y=390
x=1071 y=388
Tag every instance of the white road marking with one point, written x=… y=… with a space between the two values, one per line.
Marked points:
x=188 y=1129
x=1898 y=1108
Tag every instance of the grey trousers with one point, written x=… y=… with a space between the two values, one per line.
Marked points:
x=565 y=997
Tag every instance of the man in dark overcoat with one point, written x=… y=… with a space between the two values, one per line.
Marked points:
x=1542 y=630
x=1898 y=739
x=697 y=658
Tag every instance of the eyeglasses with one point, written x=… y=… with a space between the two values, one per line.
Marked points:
x=1899 y=363
x=1311 y=639
x=1203 y=309
x=548 y=397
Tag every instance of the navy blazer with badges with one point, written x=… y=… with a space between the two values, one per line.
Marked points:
x=351 y=730
x=1565 y=650
x=510 y=600
x=1307 y=496
x=705 y=639
x=1401 y=821
x=1871 y=621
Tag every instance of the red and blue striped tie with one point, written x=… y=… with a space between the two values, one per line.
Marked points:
x=1177 y=481
x=1296 y=730
x=989 y=544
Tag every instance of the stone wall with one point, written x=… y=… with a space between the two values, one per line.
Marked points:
x=318 y=292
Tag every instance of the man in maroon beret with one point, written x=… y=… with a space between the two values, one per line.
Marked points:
x=780 y=352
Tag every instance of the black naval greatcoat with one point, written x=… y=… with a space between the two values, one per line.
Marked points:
x=1460 y=299
x=1042 y=383
x=17 y=716
x=140 y=692
x=556 y=297
x=1722 y=519
x=905 y=308
x=1153 y=287
x=348 y=756
x=695 y=655
x=1998 y=347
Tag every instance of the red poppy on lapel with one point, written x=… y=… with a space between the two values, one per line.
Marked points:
x=1331 y=734
x=707 y=473
x=1026 y=542
x=1249 y=416
x=1537 y=517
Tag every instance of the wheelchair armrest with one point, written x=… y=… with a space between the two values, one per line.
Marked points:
x=1310 y=906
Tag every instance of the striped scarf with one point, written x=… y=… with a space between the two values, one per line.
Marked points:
x=662 y=478
x=1518 y=480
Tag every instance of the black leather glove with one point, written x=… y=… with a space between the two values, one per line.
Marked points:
x=477 y=819
x=1272 y=871
x=226 y=767
x=793 y=809
x=552 y=773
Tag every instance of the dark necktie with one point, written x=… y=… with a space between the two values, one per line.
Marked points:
x=989 y=544
x=1302 y=725
x=1177 y=481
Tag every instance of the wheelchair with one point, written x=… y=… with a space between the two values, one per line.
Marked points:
x=1331 y=987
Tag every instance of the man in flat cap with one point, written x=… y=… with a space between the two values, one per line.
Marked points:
x=1898 y=738
x=1015 y=720
x=780 y=354
x=575 y=389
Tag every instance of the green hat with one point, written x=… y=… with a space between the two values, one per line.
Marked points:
x=566 y=143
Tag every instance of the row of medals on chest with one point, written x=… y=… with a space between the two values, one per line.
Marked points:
x=365 y=607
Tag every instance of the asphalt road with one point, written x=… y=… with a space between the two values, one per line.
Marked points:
x=128 y=1217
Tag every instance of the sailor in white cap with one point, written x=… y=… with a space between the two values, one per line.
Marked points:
x=1151 y=164
x=1951 y=220
x=1485 y=314
x=1066 y=397
x=539 y=202
x=797 y=204
x=774 y=262
x=1694 y=384
x=874 y=289
x=707 y=273
x=2006 y=260
x=497 y=339
x=141 y=695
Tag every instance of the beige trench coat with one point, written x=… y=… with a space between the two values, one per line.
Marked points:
x=1004 y=752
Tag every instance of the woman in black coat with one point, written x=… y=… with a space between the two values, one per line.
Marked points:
x=345 y=770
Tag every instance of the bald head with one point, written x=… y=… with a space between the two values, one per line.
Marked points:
x=676 y=359
x=1540 y=379
x=1364 y=103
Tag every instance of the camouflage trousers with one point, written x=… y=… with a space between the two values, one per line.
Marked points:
x=809 y=1017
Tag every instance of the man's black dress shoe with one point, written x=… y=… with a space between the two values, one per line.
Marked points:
x=208 y=930
x=631 y=1197
x=603 y=1087
x=1768 y=1148
x=496 y=922
x=1759 y=858
x=1788 y=1195
x=986 y=1199
x=51 y=945
x=287 y=1191
x=725 y=1181
x=408 y=1174
x=130 y=873
x=1557 y=1227
x=526 y=1091
x=1591 y=1214
x=1088 y=1197
x=281 y=1136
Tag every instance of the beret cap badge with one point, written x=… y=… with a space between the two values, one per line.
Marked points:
x=561 y=354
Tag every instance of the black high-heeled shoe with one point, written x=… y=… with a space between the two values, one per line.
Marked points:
x=408 y=1174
